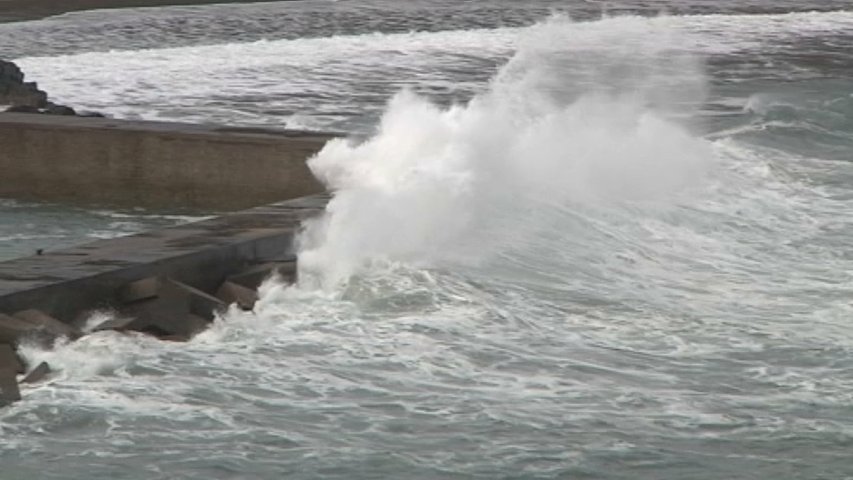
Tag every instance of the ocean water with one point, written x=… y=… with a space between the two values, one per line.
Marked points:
x=27 y=227
x=567 y=240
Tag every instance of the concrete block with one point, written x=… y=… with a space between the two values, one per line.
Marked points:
x=230 y=292
x=116 y=322
x=253 y=276
x=200 y=303
x=177 y=313
x=48 y=324
x=13 y=329
x=144 y=289
x=195 y=324
x=9 y=391
x=37 y=374
x=9 y=359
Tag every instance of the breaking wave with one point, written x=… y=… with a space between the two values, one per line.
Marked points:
x=577 y=116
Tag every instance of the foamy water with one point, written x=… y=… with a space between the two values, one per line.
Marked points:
x=341 y=83
x=622 y=253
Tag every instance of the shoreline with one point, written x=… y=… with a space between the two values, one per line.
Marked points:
x=24 y=10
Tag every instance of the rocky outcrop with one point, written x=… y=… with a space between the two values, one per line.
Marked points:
x=15 y=91
x=25 y=97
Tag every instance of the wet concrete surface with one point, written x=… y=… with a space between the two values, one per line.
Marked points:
x=68 y=284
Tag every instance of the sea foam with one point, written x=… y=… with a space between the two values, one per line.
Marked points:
x=577 y=115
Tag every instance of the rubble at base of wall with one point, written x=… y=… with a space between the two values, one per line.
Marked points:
x=26 y=97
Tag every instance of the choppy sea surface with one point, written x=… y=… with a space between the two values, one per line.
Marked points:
x=567 y=240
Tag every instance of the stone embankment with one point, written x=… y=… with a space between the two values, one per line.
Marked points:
x=169 y=283
x=26 y=97
x=158 y=165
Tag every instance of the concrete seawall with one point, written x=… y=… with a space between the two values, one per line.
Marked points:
x=69 y=283
x=98 y=161
x=168 y=283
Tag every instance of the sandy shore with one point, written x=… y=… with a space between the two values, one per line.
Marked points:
x=17 y=10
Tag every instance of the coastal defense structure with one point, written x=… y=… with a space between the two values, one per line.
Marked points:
x=101 y=161
x=169 y=283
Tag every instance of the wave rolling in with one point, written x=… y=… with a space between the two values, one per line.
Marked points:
x=573 y=118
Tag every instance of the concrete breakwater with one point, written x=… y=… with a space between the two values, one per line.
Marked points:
x=168 y=283
x=100 y=161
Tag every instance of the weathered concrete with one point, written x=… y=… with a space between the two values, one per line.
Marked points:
x=168 y=283
x=9 y=359
x=9 y=391
x=253 y=276
x=46 y=323
x=178 y=311
x=230 y=292
x=13 y=330
x=152 y=164
x=37 y=374
x=67 y=284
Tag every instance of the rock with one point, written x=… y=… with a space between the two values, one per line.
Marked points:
x=25 y=97
x=9 y=391
x=37 y=374
x=230 y=292
x=49 y=109
x=54 y=109
x=23 y=109
x=87 y=114
x=10 y=72
x=48 y=324
x=9 y=359
x=15 y=91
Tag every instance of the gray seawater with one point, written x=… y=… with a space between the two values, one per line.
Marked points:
x=585 y=247
x=27 y=227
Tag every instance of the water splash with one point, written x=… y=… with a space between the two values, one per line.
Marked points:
x=577 y=115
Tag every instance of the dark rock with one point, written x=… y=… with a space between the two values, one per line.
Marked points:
x=54 y=109
x=48 y=324
x=9 y=359
x=25 y=97
x=15 y=91
x=37 y=374
x=173 y=338
x=230 y=292
x=49 y=109
x=9 y=391
x=23 y=109
x=10 y=73
x=87 y=114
